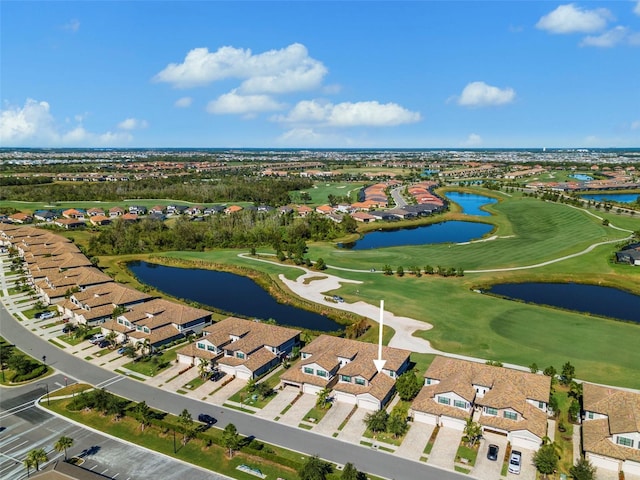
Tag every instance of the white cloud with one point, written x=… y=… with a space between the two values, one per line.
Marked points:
x=616 y=36
x=349 y=114
x=33 y=125
x=636 y=9
x=183 y=102
x=635 y=125
x=132 y=124
x=479 y=94
x=572 y=19
x=233 y=103
x=275 y=71
x=473 y=140
x=72 y=25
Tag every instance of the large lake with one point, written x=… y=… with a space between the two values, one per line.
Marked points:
x=471 y=202
x=593 y=299
x=444 y=232
x=614 y=197
x=229 y=292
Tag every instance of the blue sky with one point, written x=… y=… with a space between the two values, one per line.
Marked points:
x=359 y=74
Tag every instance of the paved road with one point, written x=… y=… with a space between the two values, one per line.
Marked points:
x=335 y=450
x=25 y=427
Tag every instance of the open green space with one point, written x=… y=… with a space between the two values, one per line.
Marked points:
x=321 y=190
x=468 y=323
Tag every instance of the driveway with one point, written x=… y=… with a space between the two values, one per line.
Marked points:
x=355 y=427
x=415 y=440
x=333 y=418
x=222 y=395
x=298 y=410
x=484 y=467
x=527 y=469
x=283 y=398
x=443 y=453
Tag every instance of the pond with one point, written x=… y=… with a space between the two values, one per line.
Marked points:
x=444 y=232
x=229 y=292
x=613 y=197
x=583 y=177
x=593 y=299
x=471 y=202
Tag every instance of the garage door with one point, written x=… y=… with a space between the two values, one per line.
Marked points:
x=368 y=404
x=311 y=389
x=521 y=442
x=425 y=418
x=345 y=398
x=632 y=468
x=603 y=462
x=455 y=423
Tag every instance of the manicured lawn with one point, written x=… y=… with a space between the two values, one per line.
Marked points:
x=315 y=414
x=468 y=453
x=152 y=365
x=563 y=440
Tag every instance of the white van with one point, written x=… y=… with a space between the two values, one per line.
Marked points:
x=97 y=338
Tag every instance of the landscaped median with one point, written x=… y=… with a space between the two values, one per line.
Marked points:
x=171 y=435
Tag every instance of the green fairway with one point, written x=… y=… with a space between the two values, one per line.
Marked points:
x=468 y=323
x=321 y=191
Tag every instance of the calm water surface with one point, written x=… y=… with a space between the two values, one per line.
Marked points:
x=614 y=197
x=229 y=292
x=471 y=202
x=444 y=232
x=593 y=299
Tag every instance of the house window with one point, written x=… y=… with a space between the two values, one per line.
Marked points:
x=345 y=378
x=120 y=321
x=145 y=330
x=459 y=404
x=305 y=355
x=321 y=373
x=444 y=400
x=510 y=415
x=491 y=411
x=240 y=355
x=590 y=415
x=427 y=381
x=541 y=405
x=627 y=442
x=308 y=370
x=392 y=374
x=211 y=348
x=360 y=381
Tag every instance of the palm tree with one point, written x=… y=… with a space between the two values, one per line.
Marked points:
x=111 y=338
x=203 y=367
x=473 y=431
x=144 y=414
x=36 y=457
x=62 y=444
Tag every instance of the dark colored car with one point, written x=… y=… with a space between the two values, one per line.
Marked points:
x=492 y=453
x=208 y=419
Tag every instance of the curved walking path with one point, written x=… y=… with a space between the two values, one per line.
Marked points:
x=405 y=327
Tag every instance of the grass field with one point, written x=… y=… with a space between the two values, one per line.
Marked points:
x=492 y=328
x=321 y=191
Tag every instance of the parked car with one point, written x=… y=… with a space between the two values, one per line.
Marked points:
x=514 y=462
x=97 y=338
x=44 y=315
x=208 y=419
x=492 y=453
x=103 y=344
x=337 y=298
x=68 y=328
x=121 y=350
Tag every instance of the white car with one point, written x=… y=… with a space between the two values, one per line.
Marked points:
x=45 y=315
x=515 y=460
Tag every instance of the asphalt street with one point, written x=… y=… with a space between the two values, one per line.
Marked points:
x=366 y=459
x=24 y=427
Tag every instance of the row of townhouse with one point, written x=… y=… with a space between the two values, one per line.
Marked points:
x=505 y=401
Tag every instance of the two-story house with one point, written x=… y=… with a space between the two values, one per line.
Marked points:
x=346 y=366
x=96 y=305
x=611 y=428
x=55 y=286
x=243 y=348
x=157 y=322
x=506 y=401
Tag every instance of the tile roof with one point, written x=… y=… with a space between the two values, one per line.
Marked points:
x=596 y=438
